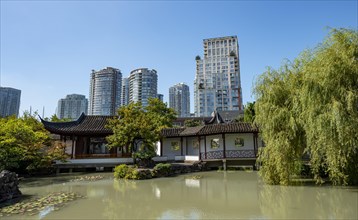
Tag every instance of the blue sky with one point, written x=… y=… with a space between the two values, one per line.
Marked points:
x=48 y=48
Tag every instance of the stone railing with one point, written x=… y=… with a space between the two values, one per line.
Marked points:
x=240 y=154
x=213 y=155
x=229 y=154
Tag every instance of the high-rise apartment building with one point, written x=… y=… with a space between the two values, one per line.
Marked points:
x=105 y=91
x=72 y=106
x=125 y=91
x=179 y=99
x=9 y=101
x=142 y=85
x=217 y=84
x=160 y=97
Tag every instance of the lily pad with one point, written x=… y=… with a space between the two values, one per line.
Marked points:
x=88 y=178
x=34 y=206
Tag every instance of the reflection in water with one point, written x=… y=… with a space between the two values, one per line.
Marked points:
x=46 y=211
x=157 y=192
x=192 y=183
x=308 y=202
x=216 y=195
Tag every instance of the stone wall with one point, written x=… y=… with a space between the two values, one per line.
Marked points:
x=9 y=188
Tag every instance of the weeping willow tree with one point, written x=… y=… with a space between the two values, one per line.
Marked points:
x=310 y=107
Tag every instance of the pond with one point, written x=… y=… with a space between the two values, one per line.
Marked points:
x=204 y=195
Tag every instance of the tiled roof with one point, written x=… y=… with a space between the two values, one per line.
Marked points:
x=84 y=125
x=228 y=128
x=172 y=132
x=210 y=129
x=191 y=131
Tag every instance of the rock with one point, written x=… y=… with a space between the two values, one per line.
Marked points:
x=144 y=173
x=172 y=170
x=9 y=188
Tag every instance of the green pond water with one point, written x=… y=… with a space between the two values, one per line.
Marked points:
x=205 y=195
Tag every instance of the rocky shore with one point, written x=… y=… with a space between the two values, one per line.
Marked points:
x=9 y=186
x=174 y=169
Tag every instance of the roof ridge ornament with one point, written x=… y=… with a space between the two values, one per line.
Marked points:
x=216 y=118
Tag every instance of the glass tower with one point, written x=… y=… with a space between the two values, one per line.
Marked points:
x=105 y=91
x=179 y=99
x=217 y=83
x=72 y=106
x=9 y=101
x=125 y=92
x=142 y=85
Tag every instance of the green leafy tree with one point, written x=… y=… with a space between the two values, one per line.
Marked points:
x=25 y=145
x=137 y=123
x=125 y=126
x=239 y=118
x=160 y=115
x=249 y=112
x=310 y=107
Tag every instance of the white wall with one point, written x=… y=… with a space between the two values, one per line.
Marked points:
x=167 y=148
x=189 y=141
x=208 y=143
x=189 y=150
x=229 y=142
x=248 y=141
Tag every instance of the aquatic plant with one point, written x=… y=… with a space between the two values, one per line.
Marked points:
x=162 y=169
x=88 y=178
x=53 y=201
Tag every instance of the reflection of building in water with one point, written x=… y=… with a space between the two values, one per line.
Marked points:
x=221 y=195
x=157 y=192
x=192 y=183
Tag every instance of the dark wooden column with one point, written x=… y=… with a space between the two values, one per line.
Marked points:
x=64 y=140
x=186 y=145
x=205 y=147
x=199 y=148
x=73 y=145
x=181 y=146
x=161 y=147
x=224 y=145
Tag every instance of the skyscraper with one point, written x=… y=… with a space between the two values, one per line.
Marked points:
x=217 y=83
x=9 y=101
x=160 y=97
x=179 y=99
x=125 y=92
x=105 y=91
x=142 y=85
x=72 y=106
